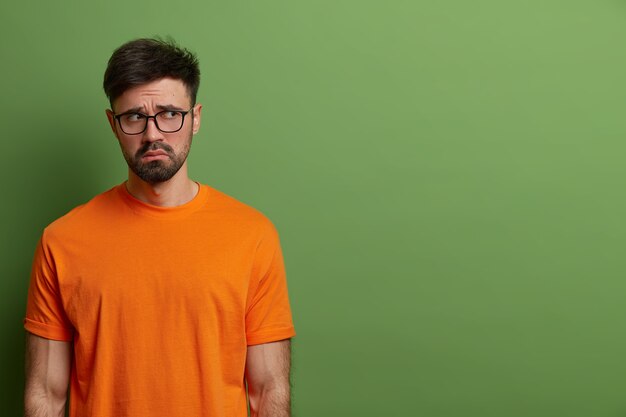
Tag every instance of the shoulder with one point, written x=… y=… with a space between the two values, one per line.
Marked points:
x=84 y=215
x=231 y=210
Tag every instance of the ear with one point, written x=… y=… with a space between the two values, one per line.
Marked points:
x=197 y=110
x=111 y=118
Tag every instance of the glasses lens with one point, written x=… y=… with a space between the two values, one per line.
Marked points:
x=133 y=123
x=169 y=121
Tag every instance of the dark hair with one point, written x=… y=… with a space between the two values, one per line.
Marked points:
x=144 y=60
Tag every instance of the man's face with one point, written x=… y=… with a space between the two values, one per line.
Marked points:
x=155 y=156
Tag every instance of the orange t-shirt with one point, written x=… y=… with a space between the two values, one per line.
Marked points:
x=160 y=303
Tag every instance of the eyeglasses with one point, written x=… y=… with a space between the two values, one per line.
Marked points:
x=167 y=121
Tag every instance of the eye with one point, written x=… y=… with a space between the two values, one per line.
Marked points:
x=133 y=117
x=169 y=114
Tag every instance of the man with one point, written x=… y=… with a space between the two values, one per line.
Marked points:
x=161 y=296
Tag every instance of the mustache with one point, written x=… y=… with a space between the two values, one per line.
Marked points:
x=153 y=146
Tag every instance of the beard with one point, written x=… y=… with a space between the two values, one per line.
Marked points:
x=154 y=172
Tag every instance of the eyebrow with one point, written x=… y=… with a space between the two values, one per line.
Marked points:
x=169 y=107
x=140 y=109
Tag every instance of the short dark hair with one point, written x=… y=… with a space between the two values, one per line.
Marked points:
x=141 y=61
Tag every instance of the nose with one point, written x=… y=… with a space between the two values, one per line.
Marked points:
x=152 y=134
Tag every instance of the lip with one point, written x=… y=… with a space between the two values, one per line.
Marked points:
x=154 y=153
x=160 y=157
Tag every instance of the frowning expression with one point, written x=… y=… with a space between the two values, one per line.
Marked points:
x=153 y=155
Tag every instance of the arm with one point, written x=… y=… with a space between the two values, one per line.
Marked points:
x=47 y=377
x=267 y=375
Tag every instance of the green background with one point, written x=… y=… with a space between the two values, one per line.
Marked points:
x=447 y=178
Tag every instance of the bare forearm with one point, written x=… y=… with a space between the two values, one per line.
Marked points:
x=268 y=378
x=271 y=403
x=39 y=404
x=47 y=377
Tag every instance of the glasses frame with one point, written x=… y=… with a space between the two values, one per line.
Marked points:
x=156 y=124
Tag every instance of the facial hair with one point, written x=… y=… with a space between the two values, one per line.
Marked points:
x=157 y=171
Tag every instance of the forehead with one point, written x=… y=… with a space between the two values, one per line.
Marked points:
x=164 y=91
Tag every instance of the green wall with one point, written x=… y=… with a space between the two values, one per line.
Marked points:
x=447 y=178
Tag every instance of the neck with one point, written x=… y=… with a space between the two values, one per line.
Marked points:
x=178 y=190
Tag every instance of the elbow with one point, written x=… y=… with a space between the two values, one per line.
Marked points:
x=268 y=397
x=42 y=402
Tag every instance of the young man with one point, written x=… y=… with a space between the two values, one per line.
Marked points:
x=161 y=296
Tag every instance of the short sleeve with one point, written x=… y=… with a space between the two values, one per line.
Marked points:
x=268 y=314
x=45 y=315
